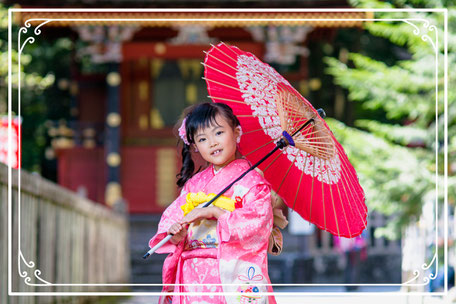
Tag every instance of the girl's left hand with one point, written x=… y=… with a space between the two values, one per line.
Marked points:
x=202 y=213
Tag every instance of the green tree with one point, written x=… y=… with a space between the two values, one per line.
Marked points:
x=43 y=64
x=395 y=155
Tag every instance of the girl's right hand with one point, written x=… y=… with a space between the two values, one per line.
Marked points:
x=178 y=231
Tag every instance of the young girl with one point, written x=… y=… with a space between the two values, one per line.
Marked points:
x=227 y=242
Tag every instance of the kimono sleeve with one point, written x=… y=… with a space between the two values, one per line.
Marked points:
x=171 y=215
x=252 y=222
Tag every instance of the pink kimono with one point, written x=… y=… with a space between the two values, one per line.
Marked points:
x=231 y=250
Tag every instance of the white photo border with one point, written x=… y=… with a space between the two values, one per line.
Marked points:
x=426 y=24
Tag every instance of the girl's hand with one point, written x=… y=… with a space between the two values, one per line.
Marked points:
x=202 y=213
x=178 y=231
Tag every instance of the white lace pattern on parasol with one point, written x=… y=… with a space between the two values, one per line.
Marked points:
x=260 y=93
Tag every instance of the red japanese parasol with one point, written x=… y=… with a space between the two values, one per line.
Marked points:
x=313 y=174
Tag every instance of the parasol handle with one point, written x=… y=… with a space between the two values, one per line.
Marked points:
x=161 y=243
x=282 y=143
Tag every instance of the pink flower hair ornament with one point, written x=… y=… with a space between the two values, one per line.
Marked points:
x=183 y=132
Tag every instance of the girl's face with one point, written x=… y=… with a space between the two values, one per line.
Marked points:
x=217 y=143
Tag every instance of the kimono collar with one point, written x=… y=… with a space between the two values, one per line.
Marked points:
x=238 y=160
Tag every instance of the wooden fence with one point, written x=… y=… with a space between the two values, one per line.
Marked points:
x=60 y=242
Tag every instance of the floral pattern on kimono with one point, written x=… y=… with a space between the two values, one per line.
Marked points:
x=243 y=234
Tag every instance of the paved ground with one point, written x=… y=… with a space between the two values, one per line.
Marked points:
x=349 y=299
x=365 y=295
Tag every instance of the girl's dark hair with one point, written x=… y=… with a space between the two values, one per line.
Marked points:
x=201 y=116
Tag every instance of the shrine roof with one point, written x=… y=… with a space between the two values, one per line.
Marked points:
x=210 y=18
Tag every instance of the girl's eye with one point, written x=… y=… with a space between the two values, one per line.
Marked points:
x=219 y=132
x=201 y=139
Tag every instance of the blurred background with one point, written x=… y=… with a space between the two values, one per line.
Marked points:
x=99 y=100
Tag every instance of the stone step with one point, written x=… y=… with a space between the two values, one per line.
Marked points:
x=144 y=271
x=147 y=279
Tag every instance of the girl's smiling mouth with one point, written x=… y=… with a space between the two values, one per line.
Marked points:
x=216 y=152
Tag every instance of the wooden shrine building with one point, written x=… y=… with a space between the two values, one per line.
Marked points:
x=121 y=144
